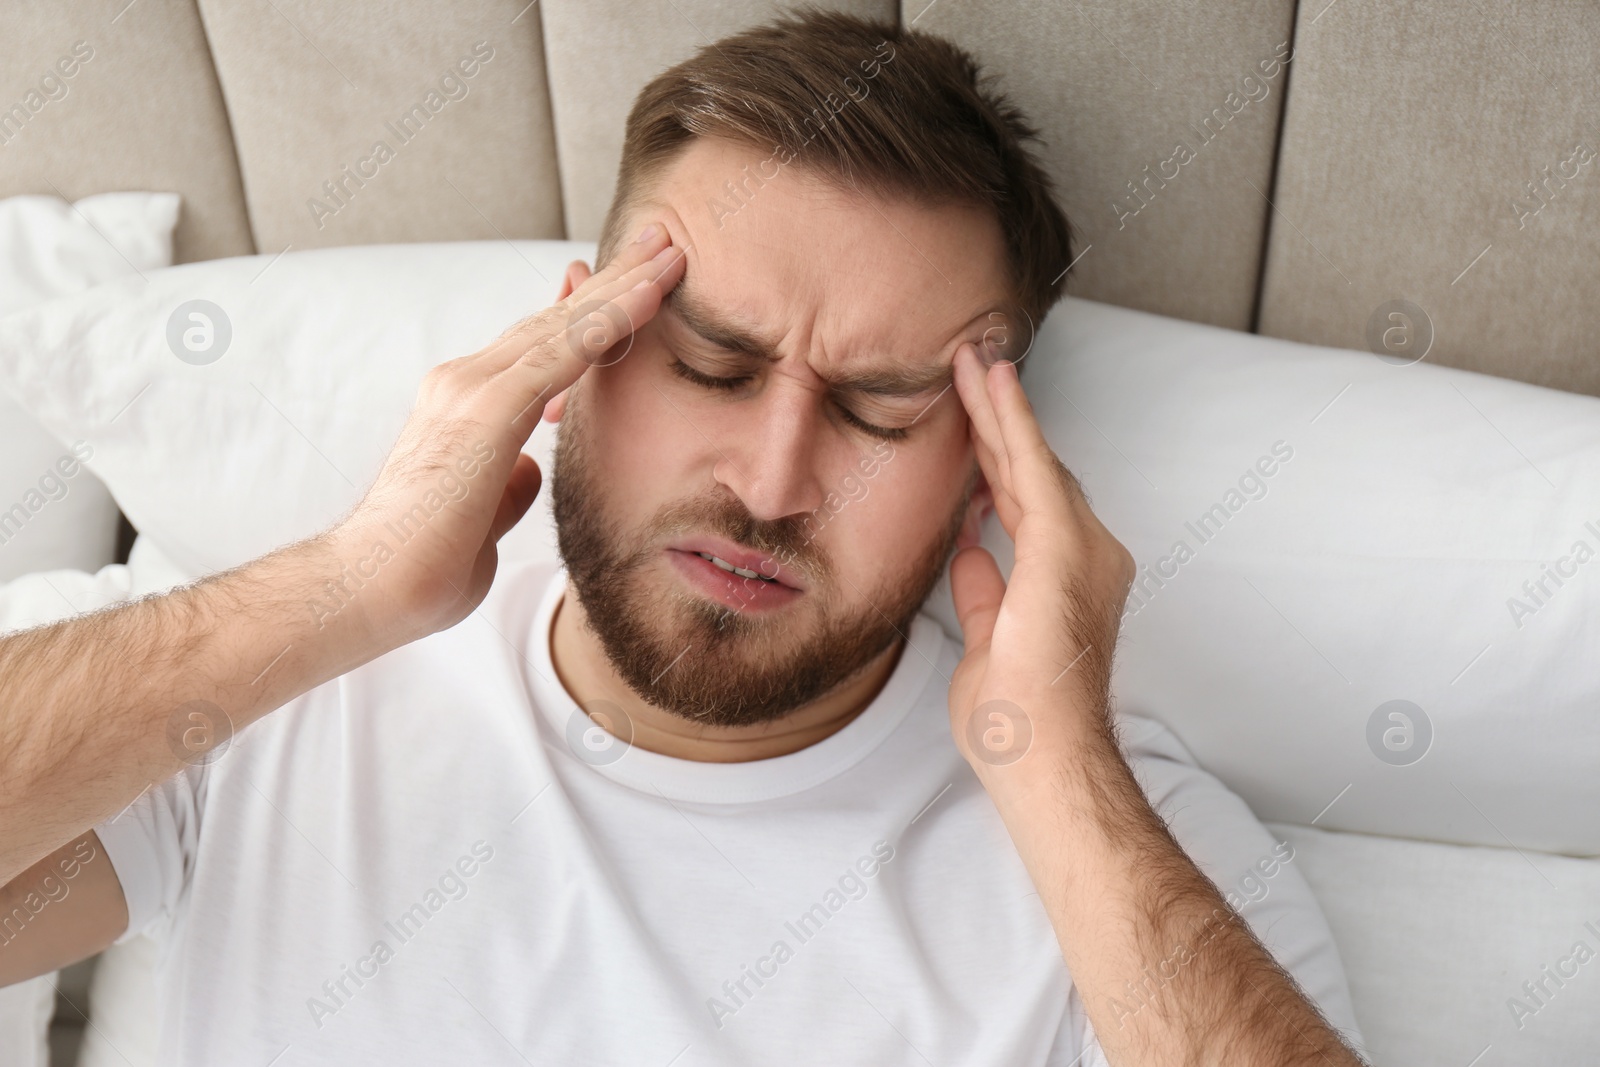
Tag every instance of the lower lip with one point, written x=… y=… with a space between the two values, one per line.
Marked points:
x=729 y=589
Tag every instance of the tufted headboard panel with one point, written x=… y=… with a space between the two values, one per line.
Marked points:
x=1292 y=168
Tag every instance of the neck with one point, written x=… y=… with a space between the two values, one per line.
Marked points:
x=586 y=674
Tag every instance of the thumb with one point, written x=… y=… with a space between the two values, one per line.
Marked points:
x=977 y=587
x=521 y=489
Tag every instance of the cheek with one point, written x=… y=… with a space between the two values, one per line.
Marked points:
x=885 y=519
x=638 y=445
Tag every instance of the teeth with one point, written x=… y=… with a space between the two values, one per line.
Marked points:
x=740 y=571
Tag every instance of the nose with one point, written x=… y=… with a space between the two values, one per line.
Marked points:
x=769 y=451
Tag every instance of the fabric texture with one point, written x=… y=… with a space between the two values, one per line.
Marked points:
x=1160 y=133
x=427 y=859
x=52 y=513
x=100 y=97
x=1452 y=950
x=412 y=122
x=1434 y=155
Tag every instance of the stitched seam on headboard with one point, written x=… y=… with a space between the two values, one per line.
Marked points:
x=1272 y=177
x=227 y=117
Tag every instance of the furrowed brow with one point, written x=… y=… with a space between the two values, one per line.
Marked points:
x=715 y=331
x=894 y=381
x=887 y=381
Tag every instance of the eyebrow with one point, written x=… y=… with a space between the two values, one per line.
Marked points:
x=718 y=332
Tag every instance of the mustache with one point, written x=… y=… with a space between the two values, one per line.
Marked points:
x=786 y=541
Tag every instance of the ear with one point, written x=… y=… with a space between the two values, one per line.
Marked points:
x=978 y=508
x=577 y=273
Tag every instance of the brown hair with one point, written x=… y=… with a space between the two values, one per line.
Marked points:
x=870 y=105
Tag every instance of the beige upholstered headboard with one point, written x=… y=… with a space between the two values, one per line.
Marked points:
x=1256 y=164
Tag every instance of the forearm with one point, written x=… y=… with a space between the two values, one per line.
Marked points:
x=95 y=709
x=1168 y=971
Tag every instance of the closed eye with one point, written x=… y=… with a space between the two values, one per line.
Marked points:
x=883 y=432
x=711 y=381
x=689 y=374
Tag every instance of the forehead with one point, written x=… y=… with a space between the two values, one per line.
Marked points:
x=831 y=274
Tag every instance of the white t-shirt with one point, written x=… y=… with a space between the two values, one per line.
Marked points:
x=413 y=864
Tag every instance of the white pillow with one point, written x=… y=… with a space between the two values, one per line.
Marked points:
x=123 y=985
x=1437 y=941
x=53 y=513
x=316 y=364
x=1411 y=504
x=1381 y=565
x=50 y=248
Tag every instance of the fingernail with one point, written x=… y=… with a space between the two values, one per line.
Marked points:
x=646 y=233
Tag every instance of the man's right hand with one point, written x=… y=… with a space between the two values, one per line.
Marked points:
x=462 y=445
x=96 y=709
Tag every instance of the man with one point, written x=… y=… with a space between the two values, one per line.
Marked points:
x=713 y=792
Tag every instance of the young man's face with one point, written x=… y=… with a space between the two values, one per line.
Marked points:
x=841 y=465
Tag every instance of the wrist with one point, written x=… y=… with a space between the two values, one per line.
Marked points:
x=1071 y=773
x=353 y=594
x=1020 y=745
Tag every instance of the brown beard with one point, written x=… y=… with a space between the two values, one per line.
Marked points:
x=701 y=660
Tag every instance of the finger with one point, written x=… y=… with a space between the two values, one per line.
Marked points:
x=576 y=274
x=601 y=319
x=599 y=334
x=521 y=490
x=977 y=587
x=558 y=329
x=1039 y=478
x=1005 y=504
x=515 y=342
x=970 y=372
x=970 y=375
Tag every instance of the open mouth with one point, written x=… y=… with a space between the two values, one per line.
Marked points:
x=731 y=569
x=747 y=582
x=737 y=561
